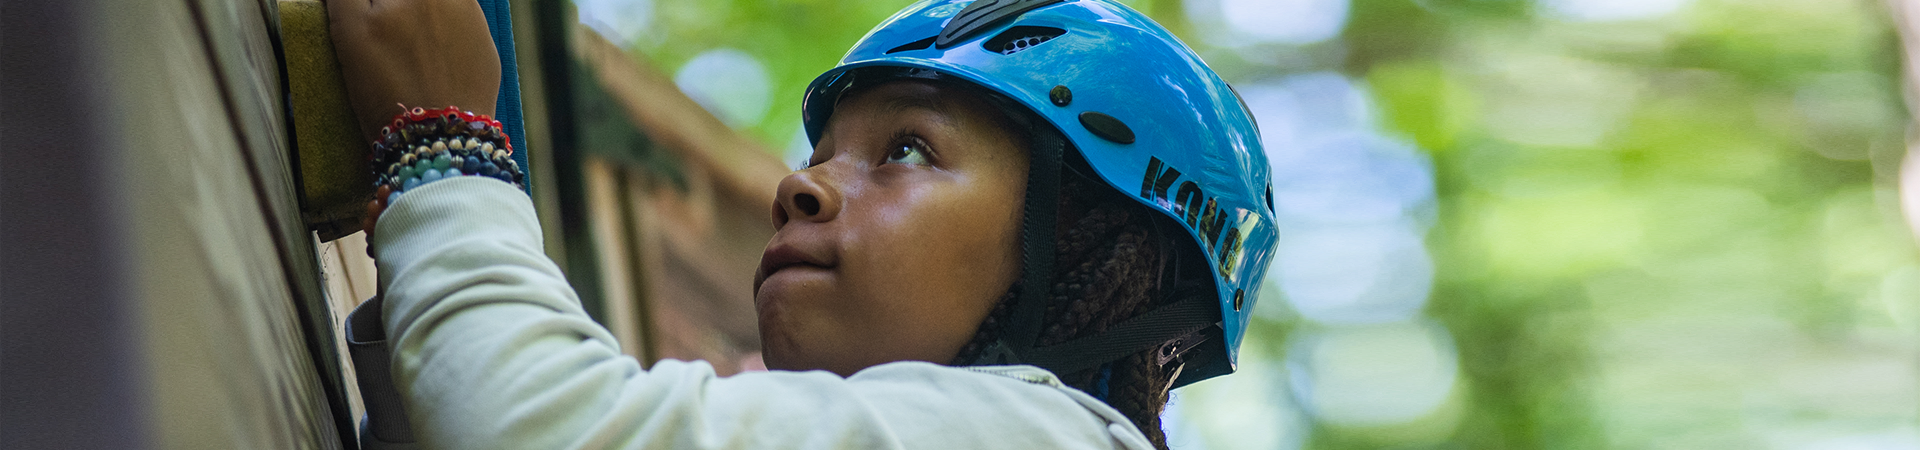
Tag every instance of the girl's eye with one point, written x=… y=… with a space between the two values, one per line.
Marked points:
x=909 y=151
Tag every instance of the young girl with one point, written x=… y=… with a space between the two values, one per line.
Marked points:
x=1024 y=221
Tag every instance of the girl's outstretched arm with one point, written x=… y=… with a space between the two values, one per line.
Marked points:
x=493 y=350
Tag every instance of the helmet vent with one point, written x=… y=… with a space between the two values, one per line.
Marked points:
x=1019 y=39
x=922 y=44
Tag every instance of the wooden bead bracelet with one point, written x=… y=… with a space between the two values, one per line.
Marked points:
x=422 y=146
x=426 y=145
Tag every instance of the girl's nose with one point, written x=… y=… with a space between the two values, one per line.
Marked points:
x=805 y=195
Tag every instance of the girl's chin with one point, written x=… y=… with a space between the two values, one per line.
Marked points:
x=783 y=345
x=781 y=337
x=790 y=359
x=776 y=348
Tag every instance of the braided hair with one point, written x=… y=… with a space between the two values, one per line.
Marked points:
x=1109 y=260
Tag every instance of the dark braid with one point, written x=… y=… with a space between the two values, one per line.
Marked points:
x=1108 y=263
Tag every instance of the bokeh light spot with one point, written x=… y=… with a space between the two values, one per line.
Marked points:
x=1247 y=410
x=1355 y=274
x=1374 y=375
x=1294 y=22
x=731 y=84
x=1611 y=10
x=620 y=21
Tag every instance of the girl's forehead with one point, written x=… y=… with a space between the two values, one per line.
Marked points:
x=965 y=106
x=901 y=96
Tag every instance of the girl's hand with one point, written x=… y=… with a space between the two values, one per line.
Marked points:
x=420 y=53
x=425 y=53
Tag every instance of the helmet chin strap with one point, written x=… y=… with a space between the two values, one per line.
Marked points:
x=1174 y=328
x=1042 y=201
x=1037 y=242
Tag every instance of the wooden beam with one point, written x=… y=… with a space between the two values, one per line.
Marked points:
x=233 y=320
x=743 y=167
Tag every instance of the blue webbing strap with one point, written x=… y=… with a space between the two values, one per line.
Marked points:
x=507 y=105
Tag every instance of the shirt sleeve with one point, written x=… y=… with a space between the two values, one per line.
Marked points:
x=493 y=350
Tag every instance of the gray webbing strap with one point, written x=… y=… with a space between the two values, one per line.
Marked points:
x=385 y=426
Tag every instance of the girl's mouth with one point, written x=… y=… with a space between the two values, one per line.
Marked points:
x=781 y=256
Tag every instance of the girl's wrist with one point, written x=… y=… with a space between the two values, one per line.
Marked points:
x=421 y=146
x=425 y=145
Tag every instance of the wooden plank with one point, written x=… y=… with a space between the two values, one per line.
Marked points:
x=351 y=278
x=223 y=268
x=709 y=247
x=742 y=167
x=243 y=36
x=604 y=181
x=533 y=110
x=679 y=265
x=698 y=246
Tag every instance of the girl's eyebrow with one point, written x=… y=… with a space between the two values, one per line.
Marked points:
x=901 y=104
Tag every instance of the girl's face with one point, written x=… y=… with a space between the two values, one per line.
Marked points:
x=899 y=238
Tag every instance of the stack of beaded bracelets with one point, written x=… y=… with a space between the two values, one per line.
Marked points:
x=426 y=145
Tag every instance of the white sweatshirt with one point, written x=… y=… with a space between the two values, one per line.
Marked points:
x=491 y=349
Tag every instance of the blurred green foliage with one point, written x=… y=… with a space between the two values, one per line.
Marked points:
x=1667 y=232
x=796 y=40
x=1651 y=229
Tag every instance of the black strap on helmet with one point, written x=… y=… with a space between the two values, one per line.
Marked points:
x=1176 y=327
x=1037 y=242
x=983 y=15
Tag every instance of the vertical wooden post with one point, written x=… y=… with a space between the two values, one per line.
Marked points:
x=208 y=269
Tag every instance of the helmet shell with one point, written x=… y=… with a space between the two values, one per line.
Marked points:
x=1196 y=155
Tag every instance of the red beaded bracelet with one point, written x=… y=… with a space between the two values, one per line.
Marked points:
x=426 y=145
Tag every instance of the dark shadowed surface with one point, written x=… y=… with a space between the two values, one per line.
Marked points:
x=68 y=375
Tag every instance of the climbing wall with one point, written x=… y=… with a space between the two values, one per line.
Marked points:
x=230 y=305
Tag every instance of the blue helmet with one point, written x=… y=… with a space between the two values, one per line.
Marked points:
x=1141 y=110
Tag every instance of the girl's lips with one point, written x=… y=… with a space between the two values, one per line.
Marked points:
x=781 y=256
